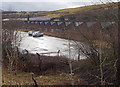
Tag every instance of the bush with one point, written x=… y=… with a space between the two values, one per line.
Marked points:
x=38 y=64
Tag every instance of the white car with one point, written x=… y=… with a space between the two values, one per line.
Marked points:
x=37 y=34
x=30 y=33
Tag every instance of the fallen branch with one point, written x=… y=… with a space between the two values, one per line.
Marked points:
x=35 y=82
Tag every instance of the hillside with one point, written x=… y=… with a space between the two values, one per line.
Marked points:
x=104 y=12
x=86 y=13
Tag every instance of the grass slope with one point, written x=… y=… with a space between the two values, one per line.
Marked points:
x=85 y=13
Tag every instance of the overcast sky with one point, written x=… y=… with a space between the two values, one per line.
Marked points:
x=45 y=5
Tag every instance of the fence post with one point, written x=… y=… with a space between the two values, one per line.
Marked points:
x=58 y=52
x=78 y=56
x=40 y=61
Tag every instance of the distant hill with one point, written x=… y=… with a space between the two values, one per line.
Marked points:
x=104 y=12
x=100 y=12
x=8 y=12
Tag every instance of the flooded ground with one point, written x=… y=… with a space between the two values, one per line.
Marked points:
x=48 y=45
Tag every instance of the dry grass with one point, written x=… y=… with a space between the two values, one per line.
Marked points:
x=22 y=78
x=25 y=30
x=102 y=43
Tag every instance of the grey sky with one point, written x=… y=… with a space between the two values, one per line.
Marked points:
x=46 y=5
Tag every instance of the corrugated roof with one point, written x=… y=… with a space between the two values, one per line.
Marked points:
x=39 y=19
x=89 y=24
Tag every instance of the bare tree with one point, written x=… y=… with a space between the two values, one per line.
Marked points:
x=11 y=40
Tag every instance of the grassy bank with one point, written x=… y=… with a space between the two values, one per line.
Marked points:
x=25 y=78
x=55 y=71
x=64 y=35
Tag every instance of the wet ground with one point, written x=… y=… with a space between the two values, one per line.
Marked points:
x=48 y=45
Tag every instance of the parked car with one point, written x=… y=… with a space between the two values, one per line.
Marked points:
x=37 y=34
x=30 y=33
